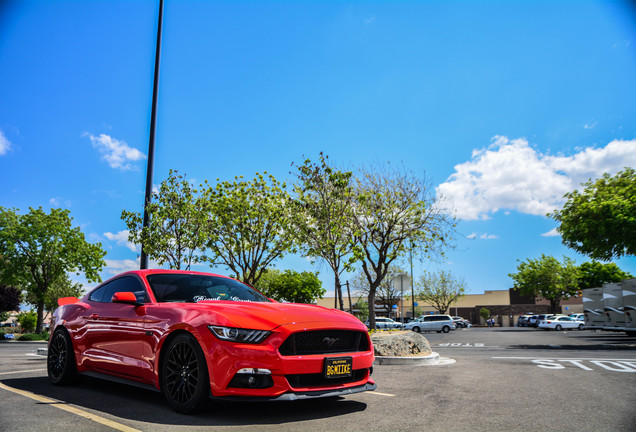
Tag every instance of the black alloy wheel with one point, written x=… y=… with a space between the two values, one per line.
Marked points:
x=61 y=359
x=184 y=375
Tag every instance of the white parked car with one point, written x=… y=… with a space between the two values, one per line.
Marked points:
x=438 y=323
x=385 y=323
x=560 y=323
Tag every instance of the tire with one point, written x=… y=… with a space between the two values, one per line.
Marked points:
x=558 y=327
x=185 y=380
x=60 y=364
x=446 y=329
x=416 y=329
x=581 y=327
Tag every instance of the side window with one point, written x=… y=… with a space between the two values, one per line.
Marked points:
x=131 y=284
x=98 y=294
x=111 y=289
x=124 y=284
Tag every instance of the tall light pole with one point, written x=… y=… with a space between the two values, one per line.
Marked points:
x=143 y=260
x=401 y=277
x=412 y=290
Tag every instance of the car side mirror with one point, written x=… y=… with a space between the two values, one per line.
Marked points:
x=125 y=297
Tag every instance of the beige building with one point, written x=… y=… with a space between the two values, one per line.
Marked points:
x=504 y=305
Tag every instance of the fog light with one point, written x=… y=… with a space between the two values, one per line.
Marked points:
x=252 y=378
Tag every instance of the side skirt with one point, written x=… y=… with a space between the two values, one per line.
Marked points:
x=119 y=380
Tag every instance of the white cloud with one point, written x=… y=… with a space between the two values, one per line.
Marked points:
x=118 y=154
x=5 y=144
x=484 y=236
x=121 y=238
x=552 y=233
x=57 y=202
x=114 y=267
x=511 y=175
x=590 y=125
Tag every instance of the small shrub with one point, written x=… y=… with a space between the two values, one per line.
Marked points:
x=35 y=336
x=27 y=320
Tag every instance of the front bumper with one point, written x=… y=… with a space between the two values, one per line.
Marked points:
x=293 y=396
x=292 y=377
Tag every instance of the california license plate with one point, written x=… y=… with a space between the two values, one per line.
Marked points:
x=340 y=367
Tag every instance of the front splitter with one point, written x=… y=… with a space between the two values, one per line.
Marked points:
x=293 y=396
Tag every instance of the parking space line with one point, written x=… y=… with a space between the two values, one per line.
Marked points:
x=63 y=406
x=562 y=358
x=23 y=371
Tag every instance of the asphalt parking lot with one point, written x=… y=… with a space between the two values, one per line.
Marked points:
x=503 y=379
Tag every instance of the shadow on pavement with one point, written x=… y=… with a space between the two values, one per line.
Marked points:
x=138 y=404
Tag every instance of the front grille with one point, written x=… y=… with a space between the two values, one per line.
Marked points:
x=325 y=342
x=319 y=380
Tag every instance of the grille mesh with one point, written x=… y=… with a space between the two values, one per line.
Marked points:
x=325 y=342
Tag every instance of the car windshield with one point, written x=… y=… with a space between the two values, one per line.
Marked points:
x=174 y=287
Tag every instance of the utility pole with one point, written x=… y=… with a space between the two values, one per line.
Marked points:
x=412 y=290
x=143 y=260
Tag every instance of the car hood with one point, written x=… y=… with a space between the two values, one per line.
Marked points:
x=268 y=316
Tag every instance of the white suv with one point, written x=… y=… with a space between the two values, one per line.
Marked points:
x=426 y=323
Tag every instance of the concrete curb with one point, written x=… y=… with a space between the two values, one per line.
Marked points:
x=428 y=360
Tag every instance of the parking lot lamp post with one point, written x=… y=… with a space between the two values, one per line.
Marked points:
x=401 y=277
x=143 y=259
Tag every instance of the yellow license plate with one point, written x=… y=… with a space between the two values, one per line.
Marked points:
x=341 y=367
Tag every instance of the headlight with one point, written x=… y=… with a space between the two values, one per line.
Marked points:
x=232 y=334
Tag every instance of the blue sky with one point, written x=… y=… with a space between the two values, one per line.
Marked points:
x=504 y=106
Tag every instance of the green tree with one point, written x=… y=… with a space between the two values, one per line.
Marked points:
x=28 y=321
x=548 y=278
x=39 y=248
x=10 y=298
x=61 y=287
x=322 y=216
x=440 y=289
x=484 y=313
x=594 y=274
x=387 y=293
x=249 y=225
x=363 y=310
x=395 y=210
x=600 y=221
x=176 y=224
x=291 y=286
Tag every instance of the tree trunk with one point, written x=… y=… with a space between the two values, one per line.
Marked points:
x=554 y=305
x=339 y=291
x=371 y=301
x=38 y=326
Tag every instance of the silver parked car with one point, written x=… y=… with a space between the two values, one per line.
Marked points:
x=426 y=323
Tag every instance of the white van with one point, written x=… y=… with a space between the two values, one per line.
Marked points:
x=438 y=323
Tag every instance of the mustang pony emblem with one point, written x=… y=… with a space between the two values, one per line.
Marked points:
x=330 y=341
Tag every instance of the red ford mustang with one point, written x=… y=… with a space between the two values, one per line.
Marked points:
x=197 y=335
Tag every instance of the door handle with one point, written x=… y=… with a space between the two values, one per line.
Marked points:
x=94 y=316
